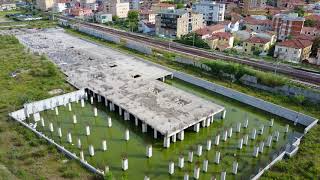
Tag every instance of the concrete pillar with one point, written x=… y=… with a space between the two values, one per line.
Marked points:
x=166 y=142
x=235 y=167
x=106 y=170
x=99 y=98
x=144 y=128
x=51 y=127
x=74 y=119
x=203 y=123
x=217 y=159
x=126 y=135
x=95 y=111
x=91 y=99
x=125 y=164
x=88 y=130
x=120 y=111
x=276 y=136
x=69 y=137
x=208 y=121
x=211 y=119
x=82 y=102
x=57 y=110
x=109 y=122
x=196 y=172
x=223 y=115
x=190 y=156
x=286 y=128
x=196 y=127
x=271 y=122
x=245 y=139
x=149 y=151
x=171 y=167
x=155 y=134
x=82 y=155
x=240 y=143
x=269 y=141
x=110 y=106
x=261 y=147
x=255 y=151
x=181 y=162
x=199 y=150
x=79 y=143
x=146 y=178
x=59 y=132
x=186 y=176
x=217 y=140
x=223 y=175
x=261 y=130
x=230 y=132
x=225 y=135
x=136 y=121
x=238 y=129
x=205 y=165
x=104 y=145
x=253 y=134
x=246 y=123
x=86 y=95
x=181 y=135
x=69 y=107
x=42 y=122
x=208 y=144
x=106 y=102
x=174 y=138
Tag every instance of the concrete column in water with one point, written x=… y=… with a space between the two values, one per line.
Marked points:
x=126 y=135
x=246 y=123
x=181 y=135
x=203 y=123
x=240 y=143
x=276 y=136
x=269 y=141
x=261 y=147
x=91 y=150
x=109 y=122
x=104 y=145
x=59 y=132
x=181 y=162
x=205 y=165
x=166 y=142
x=217 y=159
x=69 y=137
x=74 y=119
x=245 y=139
x=217 y=140
x=125 y=164
x=42 y=122
x=86 y=95
x=95 y=110
x=144 y=127
x=208 y=144
x=255 y=151
x=253 y=134
x=196 y=172
x=155 y=134
x=146 y=178
x=88 y=130
x=82 y=102
x=174 y=138
x=286 y=128
x=99 y=98
x=82 y=155
x=196 y=127
x=223 y=115
x=230 y=132
x=261 y=130
x=208 y=121
x=235 y=167
x=186 y=176
x=106 y=102
x=190 y=156
x=171 y=167
x=79 y=143
x=120 y=111
x=238 y=129
x=91 y=99
x=110 y=106
x=136 y=122
x=69 y=107
x=223 y=175
x=149 y=151
x=106 y=170
x=271 y=122
x=51 y=127
x=199 y=150
x=57 y=110
x=225 y=135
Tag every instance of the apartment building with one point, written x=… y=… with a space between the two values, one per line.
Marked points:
x=117 y=8
x=287 y=25
x=175 y=23
x=295 y=50
x=44 y=5
x=211 y=11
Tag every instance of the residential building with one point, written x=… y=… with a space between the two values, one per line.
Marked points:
x=231 y=26
x=146 y=27
x=157 y=7
x=211 y=11
x=7 y=7
x=310 y=31
x=79 y=12
x=257 y=25
x=147 y=15
x=255 y=45
x=221 y=41
x=295 y=50
x=82 y=2
x=59 y=7
x=117 y=8
x=175 y=23
x=102 y=17
x=287 y=25
x=135 y=4
x=208 y=31
x=92 y=6
x=44 y=5
x=253 y=4
x=317 y=61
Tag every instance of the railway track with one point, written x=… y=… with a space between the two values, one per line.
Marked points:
x=301 y=75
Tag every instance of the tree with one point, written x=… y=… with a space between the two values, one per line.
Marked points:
x=193 y=39
x=180 y=5
x=315 y=46
x=299 y=10
x=115 y=18
x=133 y=18
x=309 y=23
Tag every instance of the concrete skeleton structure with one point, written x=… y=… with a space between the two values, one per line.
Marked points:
x=125 y=84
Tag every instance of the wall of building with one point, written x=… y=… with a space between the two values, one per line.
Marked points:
x=99 y=34
x=138 y=47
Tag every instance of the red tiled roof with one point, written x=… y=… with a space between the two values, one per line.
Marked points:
x=313 y=17
x=304 y=37
x=253 y=21
x=257 y=40
x=296 y=43
x=209 y=29
x=224 y=35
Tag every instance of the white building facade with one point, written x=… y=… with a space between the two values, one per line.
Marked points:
x=212 y=11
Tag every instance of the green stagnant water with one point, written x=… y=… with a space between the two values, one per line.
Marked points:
x=157 y=166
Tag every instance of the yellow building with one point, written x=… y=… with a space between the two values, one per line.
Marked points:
x=256 y=45
x=44 y=5
x=220 y=41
